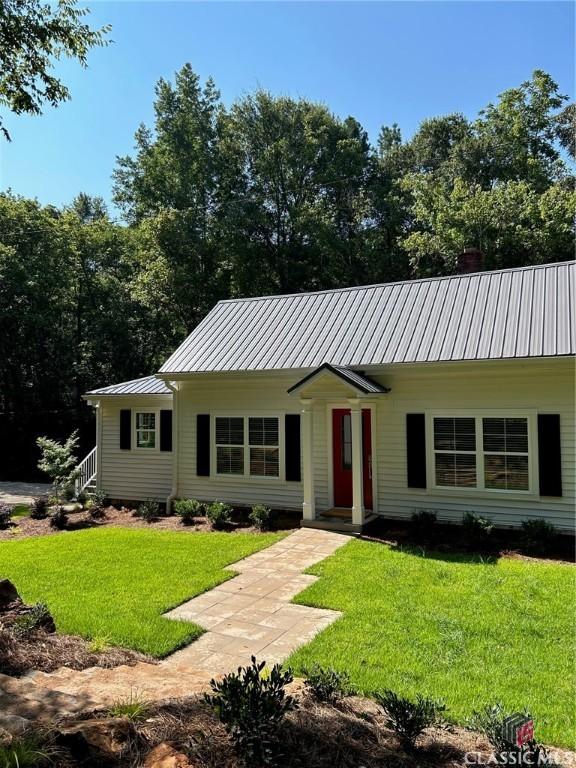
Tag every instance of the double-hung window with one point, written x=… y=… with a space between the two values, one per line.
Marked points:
x=484 y=452
x=247 y=445
x=230 y=445
x=146 y=428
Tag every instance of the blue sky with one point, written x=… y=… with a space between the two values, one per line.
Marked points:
x=381 y=62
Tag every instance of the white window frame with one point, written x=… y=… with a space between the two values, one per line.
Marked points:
x=480 y=487
x=135 y=430
x=246 y=415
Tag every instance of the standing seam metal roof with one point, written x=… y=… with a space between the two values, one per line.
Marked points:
x=149 y=385
x=525 y=312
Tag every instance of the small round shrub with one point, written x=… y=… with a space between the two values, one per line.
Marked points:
x=219 y=514
x=538 y=536
x=5 y=514
x=148 y=510
x=39 y=508
x=423 y=522
x=408 y=719
x=261 y=517
x=327 y=684
x=477 y=528
x=59 y=519
x=188 y=509
x=82 y=498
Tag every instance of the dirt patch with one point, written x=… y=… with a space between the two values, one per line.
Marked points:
x=26 y=527
x=347 y=735
x=451 y=539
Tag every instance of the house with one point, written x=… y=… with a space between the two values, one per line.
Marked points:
x=452 y=394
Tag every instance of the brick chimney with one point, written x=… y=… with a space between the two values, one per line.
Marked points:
x=470 y=260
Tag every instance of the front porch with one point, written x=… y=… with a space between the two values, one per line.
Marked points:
x=338 y=416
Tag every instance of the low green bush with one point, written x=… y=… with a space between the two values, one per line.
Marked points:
x=59 y=519
x=477 y=529
x=188 y=509
x=252 y=703
x=423 y=522
x=148 y=510
x=38 y=616
x=408 y=719
x=261 y=517
x=219 y=514
x=326 y=684
x=537 y=536
x=39 y=508
x=5 y=514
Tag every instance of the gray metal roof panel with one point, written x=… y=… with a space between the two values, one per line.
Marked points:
x=525 y=312
x=149 y=385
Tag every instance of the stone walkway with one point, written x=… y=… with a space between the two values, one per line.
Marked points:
x=22 y=493
x=250 y=614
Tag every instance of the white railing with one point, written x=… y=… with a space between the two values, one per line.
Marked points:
x=87 y=471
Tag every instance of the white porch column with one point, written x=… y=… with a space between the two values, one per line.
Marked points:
x=309 y=504
x=357 y=469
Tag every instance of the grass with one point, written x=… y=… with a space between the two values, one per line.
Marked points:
x=459 y=628
x=20 y=510
x=116 y=583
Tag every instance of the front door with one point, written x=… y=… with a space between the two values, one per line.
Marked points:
x=342 y=456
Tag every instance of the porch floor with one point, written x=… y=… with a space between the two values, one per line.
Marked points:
x=338 y=519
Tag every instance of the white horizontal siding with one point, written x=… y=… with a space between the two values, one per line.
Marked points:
x=231 y=395
x=133 y=474
x=544 y=387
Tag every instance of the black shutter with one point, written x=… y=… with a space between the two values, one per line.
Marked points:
x=166 y=430
x=203 y=444
x=416 y=449
x=292 y=446
x=549 y=455
x=125 y=429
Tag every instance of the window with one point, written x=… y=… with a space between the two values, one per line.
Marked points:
x=484 y=452
x=505 y=444
x=346 y=441
x=230 y=446
x=146 y=429
x=264 y=450
x=455 y=452
x=248 y=446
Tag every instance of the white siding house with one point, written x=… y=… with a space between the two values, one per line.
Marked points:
x=453 y=394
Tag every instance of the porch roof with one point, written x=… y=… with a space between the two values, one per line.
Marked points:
x=359 y=381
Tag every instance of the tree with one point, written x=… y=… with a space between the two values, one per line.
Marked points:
x=59 y=463
x=33 y=34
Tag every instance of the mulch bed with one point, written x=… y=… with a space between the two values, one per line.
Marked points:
x=26 y=527
x=187 y=734
x=451 y=540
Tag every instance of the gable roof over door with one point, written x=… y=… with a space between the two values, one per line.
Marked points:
x=513 y=313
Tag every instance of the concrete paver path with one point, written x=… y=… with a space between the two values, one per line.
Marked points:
x=250 y=614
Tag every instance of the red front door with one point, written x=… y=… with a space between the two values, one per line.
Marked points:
x=342 y=457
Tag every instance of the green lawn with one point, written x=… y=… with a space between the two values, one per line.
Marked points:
x=20 y=510
x=465 y=630
x=116 y=583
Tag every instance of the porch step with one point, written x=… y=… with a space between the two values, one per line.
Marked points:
x=337 y=522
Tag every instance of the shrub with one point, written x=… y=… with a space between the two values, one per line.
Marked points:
x=133 y=708
x=82 y=498
x=148 y=510
x=327 y=684
x=59 y=463
x=39 y=508
x=537 y=536
x=219 y=514
x=252 y=706
x=96 y=512
x=5 y=514
x=407 y=718
x=59 y=519
x=99 y=498
x=260 y=517
x=188 y=509
x=423 y=522
x=476 y=527
x=38 y=616
x=493 y=721
x=99 y=644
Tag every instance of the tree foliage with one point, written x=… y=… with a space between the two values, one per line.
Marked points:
x=33 y=34
x=267 y=195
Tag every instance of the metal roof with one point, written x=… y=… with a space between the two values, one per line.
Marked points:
x=356 y=379
x=149 y=385
x=511 y=313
